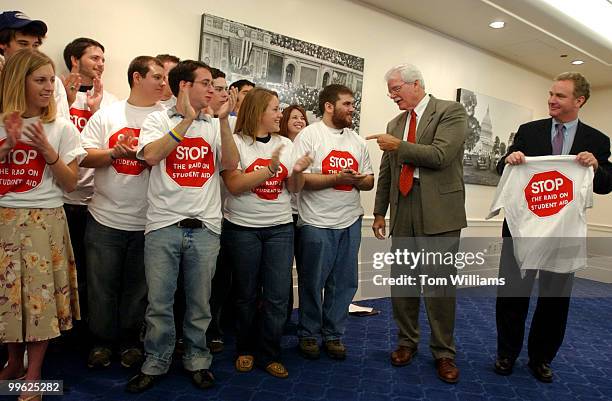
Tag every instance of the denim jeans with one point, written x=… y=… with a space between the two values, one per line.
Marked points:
x=261 y=260
x=327 y=279
x=168 y=249
x=117 y=287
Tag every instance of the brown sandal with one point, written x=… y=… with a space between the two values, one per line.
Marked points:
x=277 y=369
x=244 y=363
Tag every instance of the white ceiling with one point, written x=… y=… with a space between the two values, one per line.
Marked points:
x=535 y=36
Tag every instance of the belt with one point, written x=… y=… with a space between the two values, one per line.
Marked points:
x=190 y=223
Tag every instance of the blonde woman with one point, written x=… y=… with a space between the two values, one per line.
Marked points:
x=38 y=161
x=258 y=230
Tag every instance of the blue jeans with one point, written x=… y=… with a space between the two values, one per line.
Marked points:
x=327 y=261
x=117 y=287
x=261 y=260
x=168 y=249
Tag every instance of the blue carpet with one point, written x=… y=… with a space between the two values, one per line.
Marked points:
x=583 y=367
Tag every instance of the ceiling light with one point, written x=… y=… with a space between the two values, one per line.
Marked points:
x=497 y=24
x=577 y=62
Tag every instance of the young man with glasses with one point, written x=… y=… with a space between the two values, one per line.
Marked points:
x=186 y=149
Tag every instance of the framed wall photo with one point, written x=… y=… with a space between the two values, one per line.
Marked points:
x=492 y=124
x=297 y=70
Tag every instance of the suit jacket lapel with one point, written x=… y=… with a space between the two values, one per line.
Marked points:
x=428 y=115
x=545 y=139
x=400 y=126
x=579 y=139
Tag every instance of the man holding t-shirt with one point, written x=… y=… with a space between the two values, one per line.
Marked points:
x=330 y=222
x=187 y=150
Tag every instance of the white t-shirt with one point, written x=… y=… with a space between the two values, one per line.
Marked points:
x=25 y=179
x=186 y=183
x=332 y=151
x=79 y=115
x=169 y=103
x=545 y=201
x=61 y=99
x=120 y=196
x=268 y=204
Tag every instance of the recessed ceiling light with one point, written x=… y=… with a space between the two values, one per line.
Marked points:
x=577 y=62
x=497 y=24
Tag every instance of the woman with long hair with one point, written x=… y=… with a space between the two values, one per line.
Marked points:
x=258 y=230
x=293 y=121
x=38 y=162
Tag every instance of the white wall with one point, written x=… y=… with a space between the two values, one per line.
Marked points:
x=136 y=27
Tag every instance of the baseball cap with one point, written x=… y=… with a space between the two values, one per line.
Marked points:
x=18 y=20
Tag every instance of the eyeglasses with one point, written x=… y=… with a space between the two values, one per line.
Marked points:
x=221 y=88
x=205 y=83
x=395 y=90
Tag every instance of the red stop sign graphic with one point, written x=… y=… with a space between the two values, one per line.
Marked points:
x=192 y=163
x=548 y=192
x=79 y=117
x=126 y=166
x=335 y=162
x=22 y=169
x=271 y=188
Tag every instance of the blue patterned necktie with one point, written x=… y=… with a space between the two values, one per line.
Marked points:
x=557 y=142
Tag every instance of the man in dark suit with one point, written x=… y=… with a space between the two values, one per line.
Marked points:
x=562 y=134
x=421 y=178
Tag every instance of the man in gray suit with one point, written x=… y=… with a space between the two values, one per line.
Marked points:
x=421 y=177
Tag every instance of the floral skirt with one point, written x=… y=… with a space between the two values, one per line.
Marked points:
x=38 y=279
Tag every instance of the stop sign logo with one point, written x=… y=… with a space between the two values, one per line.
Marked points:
x=271 y=188
x=192 y=163
x=335 y=162
x=122 y=165
x=79 y=117
x=22 y=169
x=548 y=192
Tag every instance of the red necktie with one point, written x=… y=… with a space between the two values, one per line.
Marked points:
x=407 y=174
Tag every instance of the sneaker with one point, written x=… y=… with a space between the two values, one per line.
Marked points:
x=141 y=382
x=335 y=349
x=202 y=378
x=99 y=357
x=131 y=357
x=216 y=345
x=309 y=348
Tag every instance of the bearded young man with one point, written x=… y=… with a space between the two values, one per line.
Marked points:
x=330 y=222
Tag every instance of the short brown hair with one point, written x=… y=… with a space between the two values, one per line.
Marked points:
x=582 y=87
x=141 y=65
x=184 y=71
x=253 y=106
x=284 y=122
x=168 y=58
x=331 y=94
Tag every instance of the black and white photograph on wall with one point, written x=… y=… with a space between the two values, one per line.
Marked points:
x=297 y=70
x=492 y=124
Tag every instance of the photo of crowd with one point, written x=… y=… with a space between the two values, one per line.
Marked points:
x=297 y=70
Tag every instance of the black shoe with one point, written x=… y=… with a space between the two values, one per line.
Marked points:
x=141 y=382
x=202 y=378
x=541 y=371
x=503 y=366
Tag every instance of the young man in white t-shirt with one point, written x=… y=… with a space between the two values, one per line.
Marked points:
x=187 y=150
x=169 y=61
x=114 y=237
x=330 y=222
x=84 y=57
